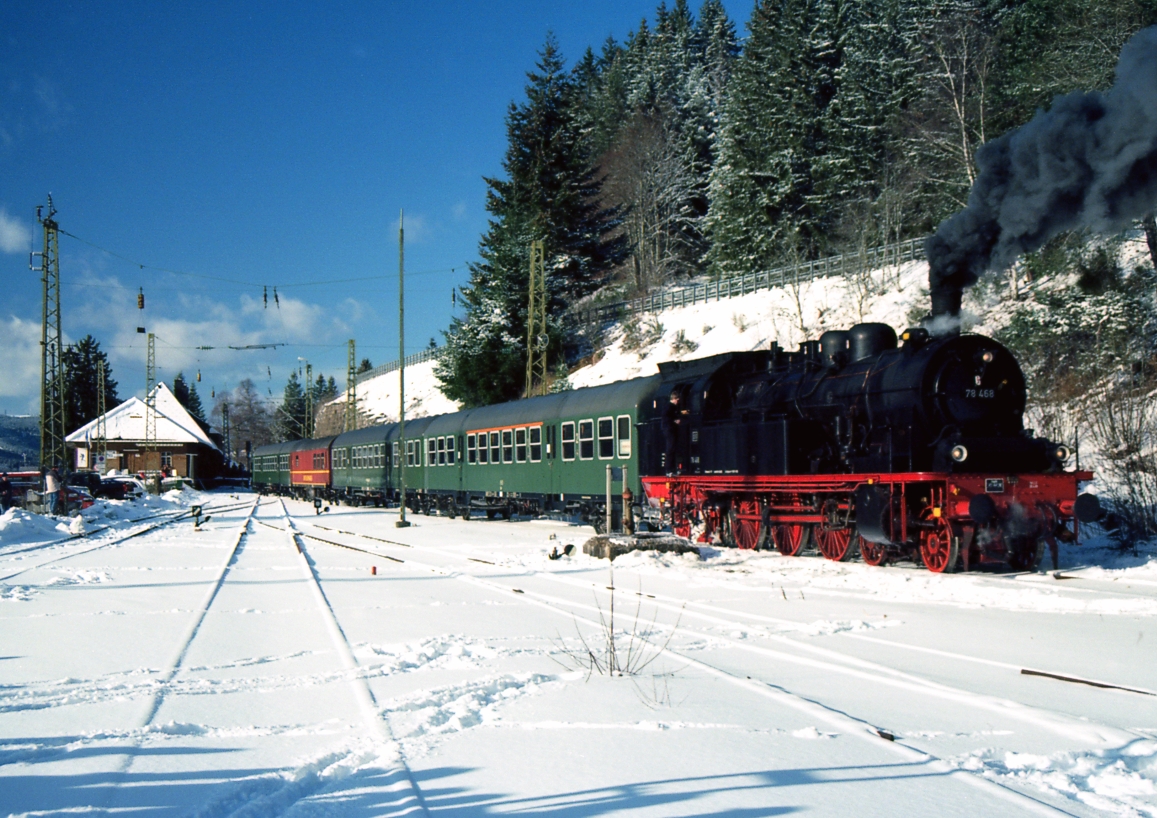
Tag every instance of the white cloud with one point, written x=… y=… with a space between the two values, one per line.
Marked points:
x=459 y=211
x=15 y=236
x=20 y=349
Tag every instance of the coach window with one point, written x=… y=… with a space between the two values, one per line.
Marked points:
x=568 y=440
x=606 y=438
x=535 y=444
x=431 y=451
x=586 y=439
x=471 y=448
x=495 y=452
x=483 y=451
x=450 y=450
x=319 y=460
x=379 y=457
x=507 y=445
x=520 y=445
x=624 y=424
x=441 y=451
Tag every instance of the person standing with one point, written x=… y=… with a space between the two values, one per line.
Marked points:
x=5 y=493
x=51 y=491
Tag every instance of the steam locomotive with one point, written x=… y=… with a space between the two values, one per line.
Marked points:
x=854 y=443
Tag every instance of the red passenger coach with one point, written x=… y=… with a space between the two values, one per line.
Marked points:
x=310 y=466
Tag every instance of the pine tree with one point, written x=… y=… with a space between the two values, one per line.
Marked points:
x=290 y=421
x=81 y=362
x=186 y=395
x=778 y=181
x=365 y=366
x=550 y=193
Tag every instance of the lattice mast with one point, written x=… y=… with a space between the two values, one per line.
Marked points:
x=52 y=449
x=536 y=337
x=351 y=390
x=151 y=400
x=100 y=442
x=226 y=433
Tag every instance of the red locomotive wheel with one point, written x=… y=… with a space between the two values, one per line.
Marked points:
x=873 y=553
x=747 y=529
x=938 y=548
x=837 y=544
x=789 y=539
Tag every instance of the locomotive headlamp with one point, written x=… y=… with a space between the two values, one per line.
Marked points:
x=959 y=453
x=1062 y=453
x=987 y=356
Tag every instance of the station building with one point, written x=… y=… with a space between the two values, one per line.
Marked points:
x=182 y=448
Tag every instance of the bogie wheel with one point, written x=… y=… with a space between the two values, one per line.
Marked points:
x=873 y=553
x=1026 y=554
x=790 y=539
x=490 y=513
x=746 y=526
x=939 y=547
x=836 y=544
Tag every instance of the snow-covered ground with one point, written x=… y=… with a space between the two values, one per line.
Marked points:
x=282 y=663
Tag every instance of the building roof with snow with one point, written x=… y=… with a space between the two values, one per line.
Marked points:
x=127 y=422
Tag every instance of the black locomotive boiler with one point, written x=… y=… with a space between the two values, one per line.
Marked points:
x=864 y=445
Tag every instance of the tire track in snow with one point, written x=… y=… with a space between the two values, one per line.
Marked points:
x=367 y=702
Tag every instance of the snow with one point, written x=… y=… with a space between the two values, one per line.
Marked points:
x=242 y=670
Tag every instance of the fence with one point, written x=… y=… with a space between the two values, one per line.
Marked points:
x=845 y=264
x=416 y=358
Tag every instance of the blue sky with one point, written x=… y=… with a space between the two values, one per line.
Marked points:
x=265 y=144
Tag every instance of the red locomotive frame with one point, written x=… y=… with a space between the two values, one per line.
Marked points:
x=928 y=514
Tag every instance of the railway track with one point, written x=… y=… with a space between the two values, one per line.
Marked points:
x=787 y=650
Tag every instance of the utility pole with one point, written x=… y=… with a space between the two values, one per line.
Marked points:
x=52 y=450
x=351 y=390
x=308 y=400
x=100 y=451
x=151 y=401
x=536 y=338
x=401 y=521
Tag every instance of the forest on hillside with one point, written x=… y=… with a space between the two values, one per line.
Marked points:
x=694 y=149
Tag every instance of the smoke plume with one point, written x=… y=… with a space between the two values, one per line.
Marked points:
x=1087 y=163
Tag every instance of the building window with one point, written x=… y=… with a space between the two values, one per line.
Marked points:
x=520 y=445
x=450 y=451
x=507 y=445
x=606 y=438
x=495 y=456
x=586 y=439
x=166 y=460
x=568 y=440
x=535 y=444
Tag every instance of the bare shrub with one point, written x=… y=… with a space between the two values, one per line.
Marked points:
x=641 y=332
x=682 y=344
x=1122 y=426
